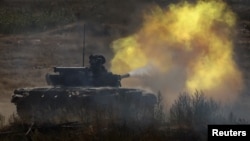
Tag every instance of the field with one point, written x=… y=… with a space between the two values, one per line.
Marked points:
x=37 y=35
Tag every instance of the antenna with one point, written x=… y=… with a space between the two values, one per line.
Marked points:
x=83 y=48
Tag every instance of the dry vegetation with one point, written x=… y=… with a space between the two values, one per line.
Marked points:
x=186 y=120
x=37 y=35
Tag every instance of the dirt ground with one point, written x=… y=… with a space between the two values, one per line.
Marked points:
x=26 y=58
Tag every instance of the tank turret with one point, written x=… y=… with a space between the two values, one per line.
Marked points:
x=94 y=76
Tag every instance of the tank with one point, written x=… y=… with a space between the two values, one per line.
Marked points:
x=84 y=94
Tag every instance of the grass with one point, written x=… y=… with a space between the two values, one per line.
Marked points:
x=32 y=16
x=19 y=20
x=188 y=119
x=40 y=15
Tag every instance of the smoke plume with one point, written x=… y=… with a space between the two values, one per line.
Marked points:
x=184 y=47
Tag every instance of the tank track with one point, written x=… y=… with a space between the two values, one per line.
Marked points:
x=77 y=104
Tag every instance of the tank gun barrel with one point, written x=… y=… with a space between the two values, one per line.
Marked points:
x=125 y=75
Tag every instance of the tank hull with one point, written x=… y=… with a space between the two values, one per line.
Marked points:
x=80 y=104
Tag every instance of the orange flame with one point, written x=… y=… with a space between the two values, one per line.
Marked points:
x=196 y=38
